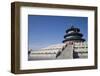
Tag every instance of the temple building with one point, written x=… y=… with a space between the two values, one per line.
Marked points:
x=73 y=35
x=73 y=46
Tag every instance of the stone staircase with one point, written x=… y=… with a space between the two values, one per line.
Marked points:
x=66 y=53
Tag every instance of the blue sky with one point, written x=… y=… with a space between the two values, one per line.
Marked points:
x=47 y=30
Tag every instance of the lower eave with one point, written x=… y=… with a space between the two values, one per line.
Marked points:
x=73 y=40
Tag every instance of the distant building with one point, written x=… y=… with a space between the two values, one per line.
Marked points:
x=49 y=52
x=73 y=46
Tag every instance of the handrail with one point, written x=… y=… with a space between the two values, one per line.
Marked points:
x=59 y=53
